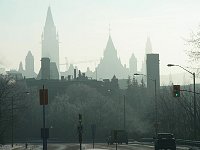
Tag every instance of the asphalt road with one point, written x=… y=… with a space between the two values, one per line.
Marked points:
x=97 y=147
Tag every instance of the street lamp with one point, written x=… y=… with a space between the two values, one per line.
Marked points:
x=156 y=105
x=195 y=110
x=12 y=135
x=124 y=113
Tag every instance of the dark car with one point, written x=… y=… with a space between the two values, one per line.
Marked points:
x=165 y=141
x=118 y=136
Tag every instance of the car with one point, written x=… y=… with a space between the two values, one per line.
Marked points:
x=164 y=141
x=118 y=136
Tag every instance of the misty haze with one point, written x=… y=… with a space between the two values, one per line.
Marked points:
x=99 y=75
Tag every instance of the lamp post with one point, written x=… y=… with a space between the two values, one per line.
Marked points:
x=124 y=113
x=194 y=101
x=156 y=105
x=12 y=120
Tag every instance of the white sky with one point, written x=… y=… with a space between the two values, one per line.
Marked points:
x=83 y=29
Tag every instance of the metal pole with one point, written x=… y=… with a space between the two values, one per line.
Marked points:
x=195 y=111
x=80 y=136
x=93 y=143
x=124 y=114
x=44 y=141
x=12 y=121
x=156 y=110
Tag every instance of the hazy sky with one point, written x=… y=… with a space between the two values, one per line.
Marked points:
x=83 y=27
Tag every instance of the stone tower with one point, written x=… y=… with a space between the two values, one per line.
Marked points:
x=50 y=43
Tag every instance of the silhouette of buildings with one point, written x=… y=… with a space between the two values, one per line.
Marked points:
x=48 y=70
x=148 y=50
x=110 y=64
x=132 y=65
x=50 y=44
x=29 y=66
x=21 y=69
x=153 y=73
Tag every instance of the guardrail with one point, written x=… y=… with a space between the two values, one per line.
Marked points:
x=178 y=141
x=188 y=142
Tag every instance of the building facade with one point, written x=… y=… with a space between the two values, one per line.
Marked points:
x=50 y=43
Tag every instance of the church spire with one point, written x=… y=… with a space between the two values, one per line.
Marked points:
x=49 y=18
x=20 y=67
x=148 y=49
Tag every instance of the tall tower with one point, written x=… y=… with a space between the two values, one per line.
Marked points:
x=153 y=73
x=21 y=70
x=110 y=64
x=50 y=44
x=132 y=65
x=148 y=50
x=29 y=65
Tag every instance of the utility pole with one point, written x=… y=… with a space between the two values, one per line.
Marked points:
x=80 y=130
x=156 y=105
x=44 y=141
x=12 y=120
x=195 y=109
x=44 y=130
x=194 y=97
x=124 y=112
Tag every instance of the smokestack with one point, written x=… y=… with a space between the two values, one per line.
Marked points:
x=45 y=68
x=79 y=73
x=62 y=78
x=74 y=73
x=69 y=77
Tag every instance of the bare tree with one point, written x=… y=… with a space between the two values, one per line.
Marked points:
x=11 y=97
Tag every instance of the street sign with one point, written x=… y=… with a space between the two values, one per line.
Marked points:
x=45 y=134
x=43 y=96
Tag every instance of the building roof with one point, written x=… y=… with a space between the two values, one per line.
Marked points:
x=49 y=18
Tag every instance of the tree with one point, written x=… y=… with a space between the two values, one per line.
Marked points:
x=10 y=91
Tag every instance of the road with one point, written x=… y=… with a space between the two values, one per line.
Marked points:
x=97 y=147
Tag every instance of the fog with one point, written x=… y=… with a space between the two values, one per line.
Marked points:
x=83 y=29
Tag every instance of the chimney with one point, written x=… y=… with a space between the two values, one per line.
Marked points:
x=79 y=74
x=62 y=78
x=74 y=73
x=69 y=77
x=45 y=68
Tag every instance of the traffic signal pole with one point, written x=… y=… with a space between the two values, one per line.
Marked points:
x=156 y=103
x=156 y=110
x=44 y=141
x=124 y=112
x=80 y=130
x=195 y=110
x=194 y=97
x=43 y=102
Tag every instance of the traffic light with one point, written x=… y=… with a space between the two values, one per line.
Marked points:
x=176 y=90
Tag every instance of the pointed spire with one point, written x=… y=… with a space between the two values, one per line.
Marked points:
x=29 y=53
x=110 y=45
x=132 y=57
x=148 y=49
x=49 y=18
x=20 y=67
